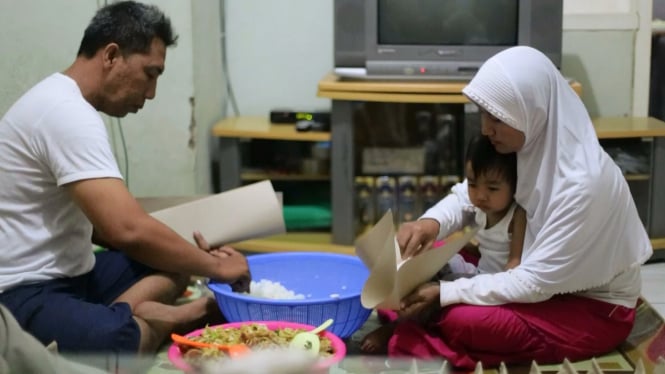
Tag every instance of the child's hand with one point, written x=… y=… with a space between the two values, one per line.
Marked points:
x=415 y=237
x=512 y=263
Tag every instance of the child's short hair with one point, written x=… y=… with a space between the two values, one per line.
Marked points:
x=485 y=159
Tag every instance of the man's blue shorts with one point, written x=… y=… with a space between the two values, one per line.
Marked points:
x=78 y=312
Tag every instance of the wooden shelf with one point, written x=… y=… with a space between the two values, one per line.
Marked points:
x=394 y=97
x=637 y=177
x=333 y=87
x=658 y=243
x=332 y=82
x=259 y=176
x=628 y=127
x=261 y=128
x=295 y=242
x=321 y=242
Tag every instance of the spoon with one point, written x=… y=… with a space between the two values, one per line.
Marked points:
x=233 y=350
x=309 y=340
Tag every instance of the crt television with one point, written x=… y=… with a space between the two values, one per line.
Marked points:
x=438 y=39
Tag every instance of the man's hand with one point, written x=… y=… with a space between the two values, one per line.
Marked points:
x=421 y=303
x=201 y=242
x=234 y=271
x=415 y=237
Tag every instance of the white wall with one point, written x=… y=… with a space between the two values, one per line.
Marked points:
x=596 y=6
x=209 y=83
x=160 y=162
x=607 y=47
x=277 y=52
x=34 y=45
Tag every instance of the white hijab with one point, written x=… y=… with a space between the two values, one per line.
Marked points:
x=582 y=224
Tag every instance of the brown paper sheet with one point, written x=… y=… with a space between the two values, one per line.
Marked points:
x=391 y=278
x=247 y=212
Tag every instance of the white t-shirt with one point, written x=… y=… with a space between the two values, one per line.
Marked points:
x=493 y=243
x=50 y=137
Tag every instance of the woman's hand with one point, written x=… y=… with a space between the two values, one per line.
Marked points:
x=421 y=303
x=235 y=270
x=415 y=237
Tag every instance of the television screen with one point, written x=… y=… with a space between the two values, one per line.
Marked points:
x=438 y=39
x=448 y=22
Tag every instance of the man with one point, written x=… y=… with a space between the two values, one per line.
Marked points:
x=60 y=186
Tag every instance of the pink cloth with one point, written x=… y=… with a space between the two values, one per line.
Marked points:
x=386 y=315
x=469 y=257
x=565 y=326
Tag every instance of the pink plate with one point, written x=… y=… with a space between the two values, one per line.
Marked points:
x=337 y=344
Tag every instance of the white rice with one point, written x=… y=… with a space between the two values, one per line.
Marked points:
x=272 y=290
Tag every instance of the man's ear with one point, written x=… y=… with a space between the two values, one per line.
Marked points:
x=110 y=54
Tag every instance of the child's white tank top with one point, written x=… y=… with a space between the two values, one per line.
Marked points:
x=493 y=243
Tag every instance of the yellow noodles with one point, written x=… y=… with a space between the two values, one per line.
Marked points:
x=256 y=336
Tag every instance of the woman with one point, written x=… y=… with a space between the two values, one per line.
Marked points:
x=574 y=293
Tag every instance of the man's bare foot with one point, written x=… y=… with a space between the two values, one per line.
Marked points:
x=157 y=321
x=213 y=314
x=376 y=342
x=201 y=312
x=181 y=318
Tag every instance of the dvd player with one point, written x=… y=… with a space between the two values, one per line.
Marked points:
x=362 y=74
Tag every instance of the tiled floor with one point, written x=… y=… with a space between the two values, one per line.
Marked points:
x=653 y=285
